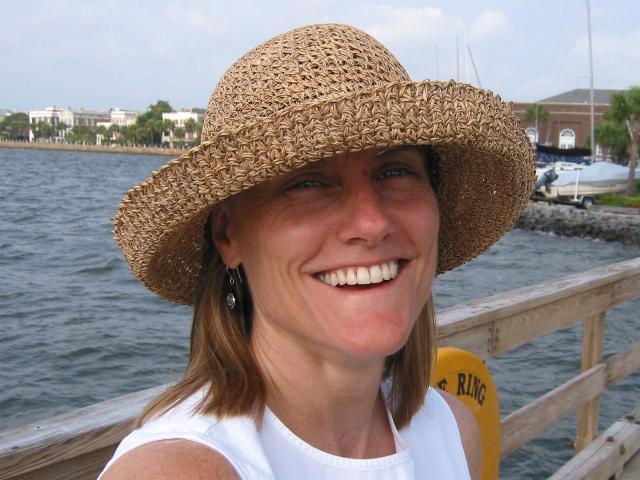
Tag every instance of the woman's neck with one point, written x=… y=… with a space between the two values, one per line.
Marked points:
x=331 y=402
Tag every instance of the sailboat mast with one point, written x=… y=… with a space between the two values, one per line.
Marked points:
x=593 y=139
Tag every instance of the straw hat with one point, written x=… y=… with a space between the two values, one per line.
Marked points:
x=309 y=94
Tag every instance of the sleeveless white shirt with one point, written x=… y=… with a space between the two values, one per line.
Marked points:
x=430 y=447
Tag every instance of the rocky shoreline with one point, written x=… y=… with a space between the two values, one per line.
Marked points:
x=621 y=225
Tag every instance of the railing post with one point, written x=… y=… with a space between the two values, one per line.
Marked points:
x=592 y=348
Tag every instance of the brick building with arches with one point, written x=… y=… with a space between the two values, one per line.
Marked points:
x=569 y=122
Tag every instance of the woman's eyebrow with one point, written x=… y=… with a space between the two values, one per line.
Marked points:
x=391 y=152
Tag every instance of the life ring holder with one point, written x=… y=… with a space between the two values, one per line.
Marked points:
x=466 y=376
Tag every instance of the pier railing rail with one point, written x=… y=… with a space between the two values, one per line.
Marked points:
x=76 y=445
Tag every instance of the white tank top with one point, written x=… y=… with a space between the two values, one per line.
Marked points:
x=428 y=448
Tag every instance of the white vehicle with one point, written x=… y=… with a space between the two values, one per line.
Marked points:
x=581 y=186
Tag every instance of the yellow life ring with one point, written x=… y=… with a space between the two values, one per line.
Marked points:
x=465 y=375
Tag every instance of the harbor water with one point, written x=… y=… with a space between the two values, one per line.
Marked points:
x=76 y=328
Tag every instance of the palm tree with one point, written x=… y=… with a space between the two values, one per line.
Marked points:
x=190 y=126
x=615 y=137
x=625 y=111
x=179 y=134
x=168 y=128
x=114 y=132
x=537 y=115
x=101 y=131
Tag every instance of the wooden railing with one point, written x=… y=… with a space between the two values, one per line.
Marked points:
x=77 y=444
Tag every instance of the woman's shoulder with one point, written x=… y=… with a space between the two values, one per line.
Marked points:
x=468 y=428
x=176 y=459
x=181 y=439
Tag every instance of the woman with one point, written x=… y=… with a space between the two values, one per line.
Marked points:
x=306 y=229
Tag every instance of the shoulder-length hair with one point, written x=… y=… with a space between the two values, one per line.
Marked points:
x=221 y=361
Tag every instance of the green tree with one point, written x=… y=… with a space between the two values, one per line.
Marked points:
x=537 y=115
x=103 y=132
x=81 y=134
x=43 y=130
x=61 y=129
x=133 y=134
x=123 y=135
x=624 y=111
x=150 y=123
x=15 y=126
x=199 y=132
x=615 y=137
x=190 y=126
x=179 y=133
x=113 y=132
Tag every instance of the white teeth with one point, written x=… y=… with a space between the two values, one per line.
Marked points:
x=393 y=266
x=361 y=275
x=376 y=274
x=386 y=272
x=351 y=277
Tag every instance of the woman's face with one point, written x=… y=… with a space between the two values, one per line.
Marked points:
x=340 y=254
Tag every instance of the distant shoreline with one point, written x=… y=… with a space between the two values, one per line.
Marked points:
x=173 y=152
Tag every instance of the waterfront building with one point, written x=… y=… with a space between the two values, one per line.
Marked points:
x=119 y=117
x=123 y=117
x=179 y=119
x=569 y=122
x=63 y=120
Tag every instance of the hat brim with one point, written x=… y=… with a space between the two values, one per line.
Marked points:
x=486 y=172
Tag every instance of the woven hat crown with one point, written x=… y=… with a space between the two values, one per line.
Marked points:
x=310 y=63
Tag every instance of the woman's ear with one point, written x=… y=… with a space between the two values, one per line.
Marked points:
x=220 y=221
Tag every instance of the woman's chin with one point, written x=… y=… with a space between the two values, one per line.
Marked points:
x=377 y=340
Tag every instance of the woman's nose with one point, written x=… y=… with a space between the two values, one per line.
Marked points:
x=366 y=219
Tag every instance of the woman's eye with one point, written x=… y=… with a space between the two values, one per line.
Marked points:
x=308 y=183
x=393 y=172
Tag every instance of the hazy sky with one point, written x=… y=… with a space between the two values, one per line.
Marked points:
x=99 y=54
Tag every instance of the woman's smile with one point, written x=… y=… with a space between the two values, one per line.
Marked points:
x=361 y=275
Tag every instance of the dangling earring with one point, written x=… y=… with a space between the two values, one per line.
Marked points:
x=230 y=299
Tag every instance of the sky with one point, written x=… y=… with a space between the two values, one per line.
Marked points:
x=101 y=54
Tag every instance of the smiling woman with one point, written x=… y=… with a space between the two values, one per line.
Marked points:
x=307 y=230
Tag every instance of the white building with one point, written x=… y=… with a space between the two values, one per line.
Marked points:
x=179 y=119
x=63 y=120
x=120 y=117
x=123 y=117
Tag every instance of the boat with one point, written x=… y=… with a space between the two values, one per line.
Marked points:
x=579 y=184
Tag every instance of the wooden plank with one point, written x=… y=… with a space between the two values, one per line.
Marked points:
x=627 y=290
x=522 y=328
x=520 y=316
x=607 y=454
x=592 y=349
x=631 y=469
x=534 y=418
x=85 y=467
x=478 y=339
x=622 y=278
x=623 y=364
x=531 y=420
x=70 y=435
